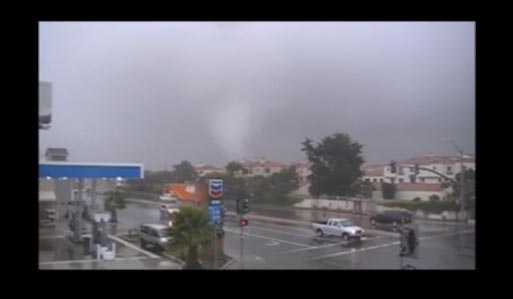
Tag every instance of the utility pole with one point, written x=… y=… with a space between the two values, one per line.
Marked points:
x=215 y=248
x=462 y=182
x=241 y=257
x=242 y=209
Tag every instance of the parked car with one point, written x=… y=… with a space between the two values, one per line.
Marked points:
x=169 y=208
x=337 y=227
x=167 y=197
x=157 y=235
x=392 y=217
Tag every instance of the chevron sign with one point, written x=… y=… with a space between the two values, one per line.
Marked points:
x=215 y=188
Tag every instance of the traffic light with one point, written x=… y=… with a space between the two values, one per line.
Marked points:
x=244 y=222
x=417 y=169
x=393 y=167
x=245 y=206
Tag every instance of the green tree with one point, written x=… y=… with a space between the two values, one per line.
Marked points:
x=184 y=172
x=281 y=184
x=258 y=189
x=273 y=189
x=434 y=197
x=337 y=162
x=191 y=230
x=364 y=188
x=388 y=190
x=232 y=167
x=114 y=200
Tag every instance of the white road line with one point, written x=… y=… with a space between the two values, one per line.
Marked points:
x=94 y=260
x=311 y=248
x=299 y=229
x=323 y=246
x=262 y=224
x=354 y=251
x=310 y=235
x=272 y=243
x=133 y=246
x=267 y=238
x=385 y=245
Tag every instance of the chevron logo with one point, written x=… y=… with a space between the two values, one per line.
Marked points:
x=215 y=188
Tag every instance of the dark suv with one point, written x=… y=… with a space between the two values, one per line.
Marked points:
x=393 y=217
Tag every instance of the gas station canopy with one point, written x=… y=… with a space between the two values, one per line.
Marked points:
x=74 y=170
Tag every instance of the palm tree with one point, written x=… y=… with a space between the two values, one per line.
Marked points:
x=115 y=200
x=191 y=230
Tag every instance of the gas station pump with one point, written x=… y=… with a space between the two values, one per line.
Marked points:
x=100 y=245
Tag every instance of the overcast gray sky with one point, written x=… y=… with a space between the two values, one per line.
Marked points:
x=159 y=93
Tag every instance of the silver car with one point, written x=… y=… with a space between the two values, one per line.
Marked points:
x=156 y=235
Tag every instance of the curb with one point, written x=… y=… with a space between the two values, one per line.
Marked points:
x=119 y=240
x=146 y=201
x=229 y=263
x=174 y=259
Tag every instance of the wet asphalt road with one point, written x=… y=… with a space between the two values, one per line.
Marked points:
x=269 y=245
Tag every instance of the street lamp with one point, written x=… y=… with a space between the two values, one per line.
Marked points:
x=462 y=174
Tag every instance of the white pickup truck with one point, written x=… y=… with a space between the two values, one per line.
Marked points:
x=337 y=227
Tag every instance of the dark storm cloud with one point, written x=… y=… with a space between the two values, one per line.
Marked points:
x=159 y=93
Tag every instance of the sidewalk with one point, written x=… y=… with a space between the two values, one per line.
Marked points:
x=135 y=263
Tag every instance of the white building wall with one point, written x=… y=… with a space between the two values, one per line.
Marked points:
x=410 y=195
x=423 y=195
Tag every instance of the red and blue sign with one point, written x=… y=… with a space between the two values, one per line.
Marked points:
x=215 y=188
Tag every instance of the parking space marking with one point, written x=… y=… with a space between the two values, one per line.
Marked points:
x=266 y=238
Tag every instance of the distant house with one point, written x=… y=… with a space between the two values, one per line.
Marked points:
x=374 y=173
x=410 y=191
x=204 y=169
x=425 y=183
x=259 y=167
x=449 y=166
x=303 y=170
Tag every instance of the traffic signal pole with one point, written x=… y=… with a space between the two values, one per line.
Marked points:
x=242 y=209
x=215 y=248
x=241 y=257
